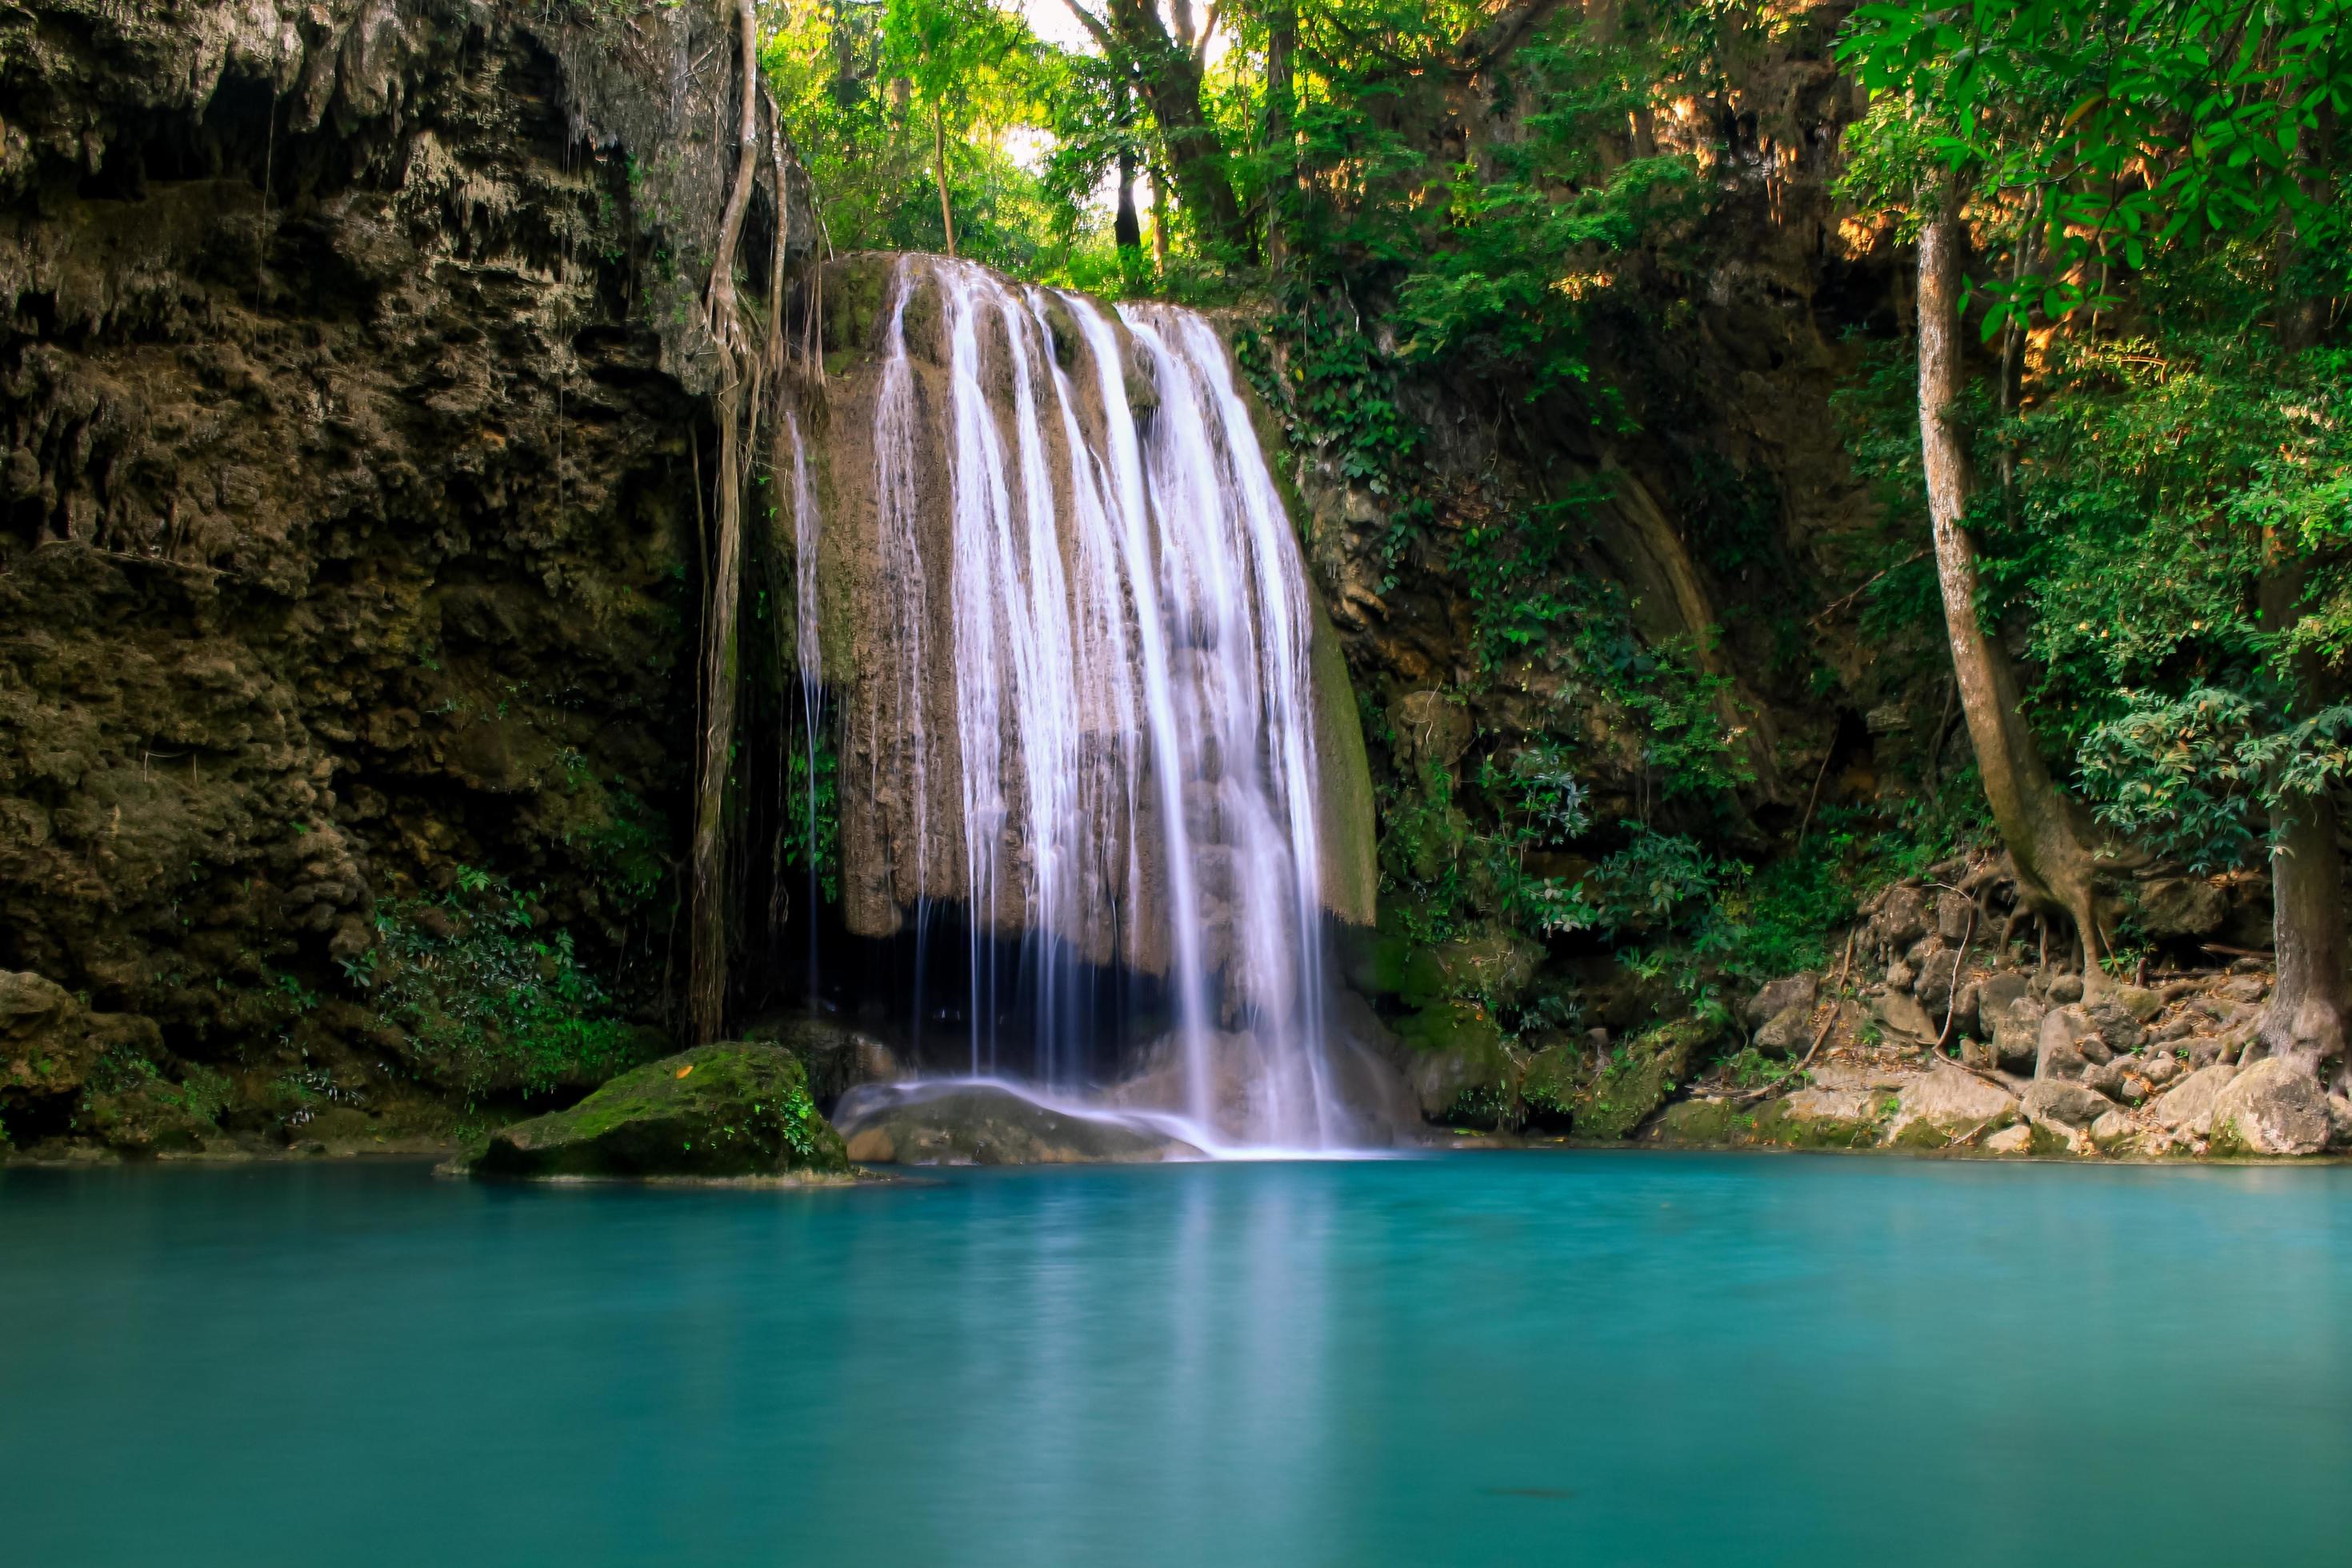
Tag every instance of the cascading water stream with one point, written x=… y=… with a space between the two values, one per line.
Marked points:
x=808 y=656
x=1133 y=732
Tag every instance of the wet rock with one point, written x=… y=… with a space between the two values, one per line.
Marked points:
x=2274 y=1107
x=835 y=1056
x=989 y=1124
x=2188 y=1106
x=719 y=1110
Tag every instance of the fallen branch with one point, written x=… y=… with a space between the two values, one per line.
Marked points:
x=1952 y=991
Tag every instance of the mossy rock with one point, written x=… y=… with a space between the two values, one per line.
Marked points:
x=718 y=1110
x=1638 y=1078
x=1459 y=1066
x=1780 y=1123
x=145 y=1117
x=1717 y=1123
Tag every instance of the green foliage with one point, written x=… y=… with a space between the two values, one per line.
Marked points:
x=811 y=826
x=490 y=1000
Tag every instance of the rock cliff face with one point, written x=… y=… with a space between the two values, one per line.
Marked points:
x=348 y=430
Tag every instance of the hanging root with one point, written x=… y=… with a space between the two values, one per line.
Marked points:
x=706 y=983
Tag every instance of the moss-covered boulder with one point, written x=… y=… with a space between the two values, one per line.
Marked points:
x=718 y=1110
x=1459 y=1068
x=1610 y=1096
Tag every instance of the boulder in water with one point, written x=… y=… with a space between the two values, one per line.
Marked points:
x=2275 y=1107
x=992 y=1124
x=716 y=1111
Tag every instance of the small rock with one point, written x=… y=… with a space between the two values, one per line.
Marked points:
x=2016 y=1036
x=2058 y=1052
x=1996 y=994
x=2066 y=988
x=1777 y=996
x=2160 y=1067
x=1787 y=1031
x=2113 y=1129
x=2140 y=1002
x=2177 y=1029
x=2339 y=1122
x=1902 y=1014
x=1902 y=918
x=1954 y=914
x=2274 y=1107
x=2068 y=1104
x=2117 y=1026
x=1899 y=975
x=2245 y=988
x=2016 y=1139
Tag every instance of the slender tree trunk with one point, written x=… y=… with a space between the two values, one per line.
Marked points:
x=1158 y=220
x=939 y=172
x=2040 y=826
x=707 y=984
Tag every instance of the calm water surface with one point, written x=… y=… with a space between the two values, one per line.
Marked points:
x=1515 y=1358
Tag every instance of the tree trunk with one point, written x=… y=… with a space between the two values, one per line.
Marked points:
x=1281 y=134
x=1126 y=228
x=1169 y=74
x=2040 y=826
x=939 y=172
x=707 y=984
x=2311 y=1001
x=1158 y=220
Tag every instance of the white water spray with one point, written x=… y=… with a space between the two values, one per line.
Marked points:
x=1133 y=715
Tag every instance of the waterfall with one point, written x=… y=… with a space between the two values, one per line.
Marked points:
x=1071 y=505
x=808 y=656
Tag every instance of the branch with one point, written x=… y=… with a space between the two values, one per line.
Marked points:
x=1200 y=43
x=1506 y=33
x=1093 y=25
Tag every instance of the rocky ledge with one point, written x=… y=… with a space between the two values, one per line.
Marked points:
x=2164 y=1071
x=989 y=1124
